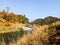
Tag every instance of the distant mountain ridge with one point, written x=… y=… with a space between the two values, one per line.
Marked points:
x=47 y=20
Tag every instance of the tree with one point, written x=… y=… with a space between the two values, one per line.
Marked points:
x=25 y=20
x=7 y=8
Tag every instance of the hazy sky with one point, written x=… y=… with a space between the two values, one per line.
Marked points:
x=33 y=9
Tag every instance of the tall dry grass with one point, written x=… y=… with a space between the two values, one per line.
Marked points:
x=40 y=36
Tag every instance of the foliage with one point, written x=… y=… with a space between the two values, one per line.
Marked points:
x=21 y=31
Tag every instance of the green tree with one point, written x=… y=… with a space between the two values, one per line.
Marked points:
x=25 y=20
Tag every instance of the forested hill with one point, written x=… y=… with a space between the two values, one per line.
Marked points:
x=47 y=20
x=11 y=17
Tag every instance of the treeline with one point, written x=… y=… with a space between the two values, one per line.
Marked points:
x=11 y=17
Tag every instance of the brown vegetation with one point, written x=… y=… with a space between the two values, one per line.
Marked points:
x=40 y=36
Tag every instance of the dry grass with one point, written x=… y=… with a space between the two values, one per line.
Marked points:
x=40 y=35
x=36 y=38
x=9 y=26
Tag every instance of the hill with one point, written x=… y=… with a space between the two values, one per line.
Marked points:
x=47 y=20
x=11 y=17
x=10 y=21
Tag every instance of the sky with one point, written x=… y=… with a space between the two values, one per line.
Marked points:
x=33 y=9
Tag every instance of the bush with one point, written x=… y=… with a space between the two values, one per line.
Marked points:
x=21 y=31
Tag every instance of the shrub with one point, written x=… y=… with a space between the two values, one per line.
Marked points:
x=21 y=31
